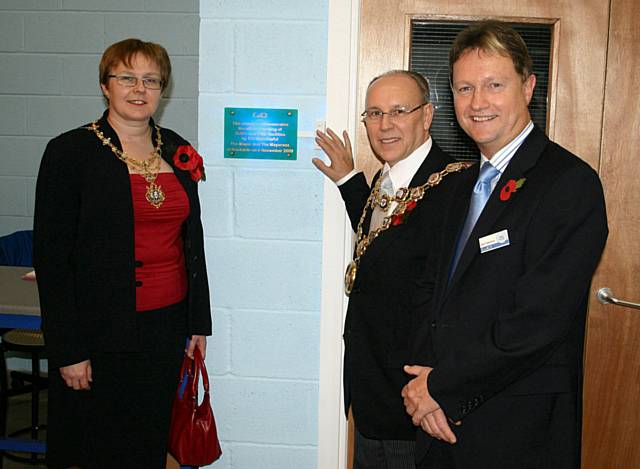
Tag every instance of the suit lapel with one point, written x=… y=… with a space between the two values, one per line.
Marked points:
x=184 y=177
x=456 y=214
x=524 y=159
x=436 y=160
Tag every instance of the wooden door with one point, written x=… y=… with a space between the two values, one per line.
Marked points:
x=579 y=51
x=593 y=111
x=611 y=437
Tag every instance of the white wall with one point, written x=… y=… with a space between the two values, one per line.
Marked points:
x=263 y=221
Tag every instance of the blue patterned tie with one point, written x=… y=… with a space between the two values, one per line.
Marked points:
x=481 y=193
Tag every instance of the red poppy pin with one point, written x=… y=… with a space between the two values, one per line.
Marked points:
x=399 y=218
x=510 y=187
x=188 y=159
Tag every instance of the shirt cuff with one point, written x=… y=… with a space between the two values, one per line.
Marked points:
x=344 y=179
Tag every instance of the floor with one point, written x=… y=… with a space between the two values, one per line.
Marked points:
x=19 y=416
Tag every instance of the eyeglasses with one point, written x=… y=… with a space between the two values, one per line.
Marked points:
x=130 y=82
x=399 y=113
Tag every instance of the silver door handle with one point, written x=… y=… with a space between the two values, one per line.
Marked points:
x=605 y=296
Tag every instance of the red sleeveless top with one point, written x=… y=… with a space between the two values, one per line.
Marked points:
x=161 y=277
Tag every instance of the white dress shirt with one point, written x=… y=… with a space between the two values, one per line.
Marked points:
x=403 y=171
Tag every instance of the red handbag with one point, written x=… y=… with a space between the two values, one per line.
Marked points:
x=193 y=438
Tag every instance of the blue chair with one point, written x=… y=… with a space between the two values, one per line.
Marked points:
x=16 y=250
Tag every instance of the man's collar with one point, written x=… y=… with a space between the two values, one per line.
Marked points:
x=501 y=158
x=403 y=171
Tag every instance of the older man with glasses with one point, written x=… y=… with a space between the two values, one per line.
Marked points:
x=393 y=220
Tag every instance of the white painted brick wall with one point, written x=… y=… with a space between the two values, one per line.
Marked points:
x=263 y=221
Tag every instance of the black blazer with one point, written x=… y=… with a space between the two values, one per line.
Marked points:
x=378 y=325
x=84 y=247
x=511 y=321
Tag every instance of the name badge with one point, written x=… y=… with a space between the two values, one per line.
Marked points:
x=494 y=241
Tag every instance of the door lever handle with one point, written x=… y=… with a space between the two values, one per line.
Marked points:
x=605 y=296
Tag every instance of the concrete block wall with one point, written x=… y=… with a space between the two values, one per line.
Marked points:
x=263 y=222
x=49 y=55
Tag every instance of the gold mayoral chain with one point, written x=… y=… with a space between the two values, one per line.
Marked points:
x=150 y=167
x=403 y=197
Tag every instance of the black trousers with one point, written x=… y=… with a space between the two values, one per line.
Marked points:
x=383 y=454
x=123 y=421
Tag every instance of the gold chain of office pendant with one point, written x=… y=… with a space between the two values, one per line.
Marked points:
x=403 y=197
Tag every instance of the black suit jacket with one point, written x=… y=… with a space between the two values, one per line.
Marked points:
x=510 y=324
x=378 y=325
x=84 y=247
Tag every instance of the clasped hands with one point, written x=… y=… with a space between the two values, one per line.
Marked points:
x=423 y=409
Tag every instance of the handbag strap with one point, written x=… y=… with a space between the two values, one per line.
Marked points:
x=200 y=368
x=186 y=367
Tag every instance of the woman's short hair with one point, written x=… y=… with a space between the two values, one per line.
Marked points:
x=124 y=51
x=495 y=37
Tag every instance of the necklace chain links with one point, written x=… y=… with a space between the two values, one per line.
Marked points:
x=403 y=197
x=149 y=167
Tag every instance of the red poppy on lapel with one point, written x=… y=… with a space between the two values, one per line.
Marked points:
x=510 y=187
x=399 y=218
x=188 y=159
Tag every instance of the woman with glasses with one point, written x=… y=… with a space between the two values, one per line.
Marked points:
x=118 y=250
